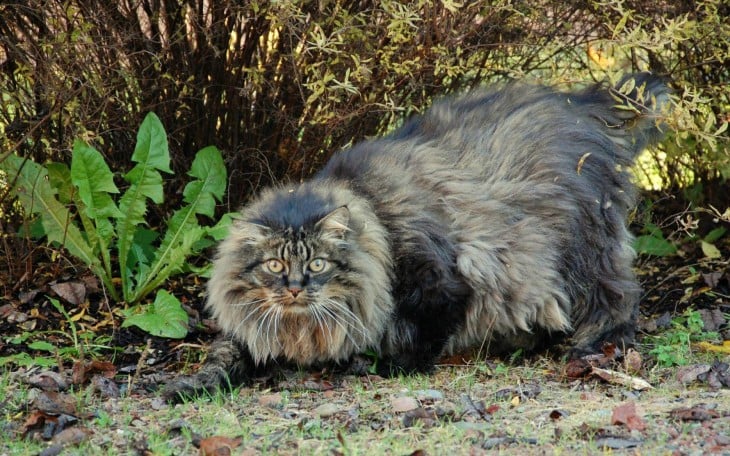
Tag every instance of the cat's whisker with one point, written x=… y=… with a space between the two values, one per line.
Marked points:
x=265 y=319
x=352 y=320
x=322 y=322
x=344 y=322
x=249 y=303
x=251 y=313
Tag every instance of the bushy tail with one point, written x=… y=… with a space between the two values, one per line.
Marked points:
x=640 y=102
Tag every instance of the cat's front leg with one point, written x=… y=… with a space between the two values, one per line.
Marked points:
x=228 y=364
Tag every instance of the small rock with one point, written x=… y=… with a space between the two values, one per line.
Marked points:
x=429 y=395
x=404 y=404
x=326 y=410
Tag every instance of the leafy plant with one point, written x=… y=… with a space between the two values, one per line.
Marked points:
x=77 y=210
x=653 y=242
x=81 y=344
x=674 y=346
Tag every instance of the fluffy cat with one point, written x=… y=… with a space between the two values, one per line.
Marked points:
x=497 y=219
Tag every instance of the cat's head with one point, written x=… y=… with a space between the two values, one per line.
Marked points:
x=304 y=274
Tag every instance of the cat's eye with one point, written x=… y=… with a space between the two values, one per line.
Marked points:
x=317 y=265
x=274 y=266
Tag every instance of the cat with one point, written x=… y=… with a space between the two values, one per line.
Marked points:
x=494 y=220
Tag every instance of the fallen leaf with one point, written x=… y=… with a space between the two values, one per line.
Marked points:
x=72 y=292
x=625 y=414
x=712 y=319
x=577 y=368
x=55 y=403
x=218 y=445
x=403 y=404
x=633 y=361
x=83 y=370
x=697 y=413
x=48 y=381
x=46 y=424
x=427 y=418
x=619 y=378
x=710 y=347
x=690 y=374
x=71 y=436
x=270 y=400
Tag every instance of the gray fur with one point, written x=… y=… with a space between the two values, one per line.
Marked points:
x=497 y=219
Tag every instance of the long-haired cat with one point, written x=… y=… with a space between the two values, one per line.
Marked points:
x=496 y=220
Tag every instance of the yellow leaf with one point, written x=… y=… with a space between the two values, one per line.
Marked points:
x=708 y=347
x=78 y=316
x=515 y=401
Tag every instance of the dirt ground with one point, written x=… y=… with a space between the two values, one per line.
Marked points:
x=78 y=383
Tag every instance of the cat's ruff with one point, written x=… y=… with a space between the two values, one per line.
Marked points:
x=497 y=219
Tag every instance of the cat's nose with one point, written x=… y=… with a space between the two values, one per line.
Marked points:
x=295 y=291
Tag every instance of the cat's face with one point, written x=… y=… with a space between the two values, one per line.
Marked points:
x=298 y=292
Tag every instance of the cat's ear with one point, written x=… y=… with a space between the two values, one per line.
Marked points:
x=335 y=224
x=250 y=232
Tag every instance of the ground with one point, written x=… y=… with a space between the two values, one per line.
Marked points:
x=73 y=380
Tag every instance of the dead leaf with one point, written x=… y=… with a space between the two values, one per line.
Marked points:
x=699 y=412
x=625 y=414
x=27 y=296
x=72 y=292
x=710 y=347
x=690 y=374
x=48 y=381
x=633 y=361
x=427 y=418
x=712 y=319
x=403 y=404
x=55 y=403
x=218 y=446
x=270 y=400
x=712 y=279
x=45 y=424
x=556 y=414
x=577 y=368
x=619 y=378
x=83 y=370
x=71 y=436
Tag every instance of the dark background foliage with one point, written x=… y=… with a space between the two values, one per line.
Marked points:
x=280 y=86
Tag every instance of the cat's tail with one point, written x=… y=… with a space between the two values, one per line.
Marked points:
x=638 y=105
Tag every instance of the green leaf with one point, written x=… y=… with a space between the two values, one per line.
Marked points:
x=151 y=155
x=651 y=245
x=152 y=149
x=25 y=360
x=163 y=318
x=91 y=175
x=183 y=230
x=715 y=234
x=36 y=195
x=709 y=250
x=60 y=178
x=42 y=345
x=210 y=170
x=220 y=230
